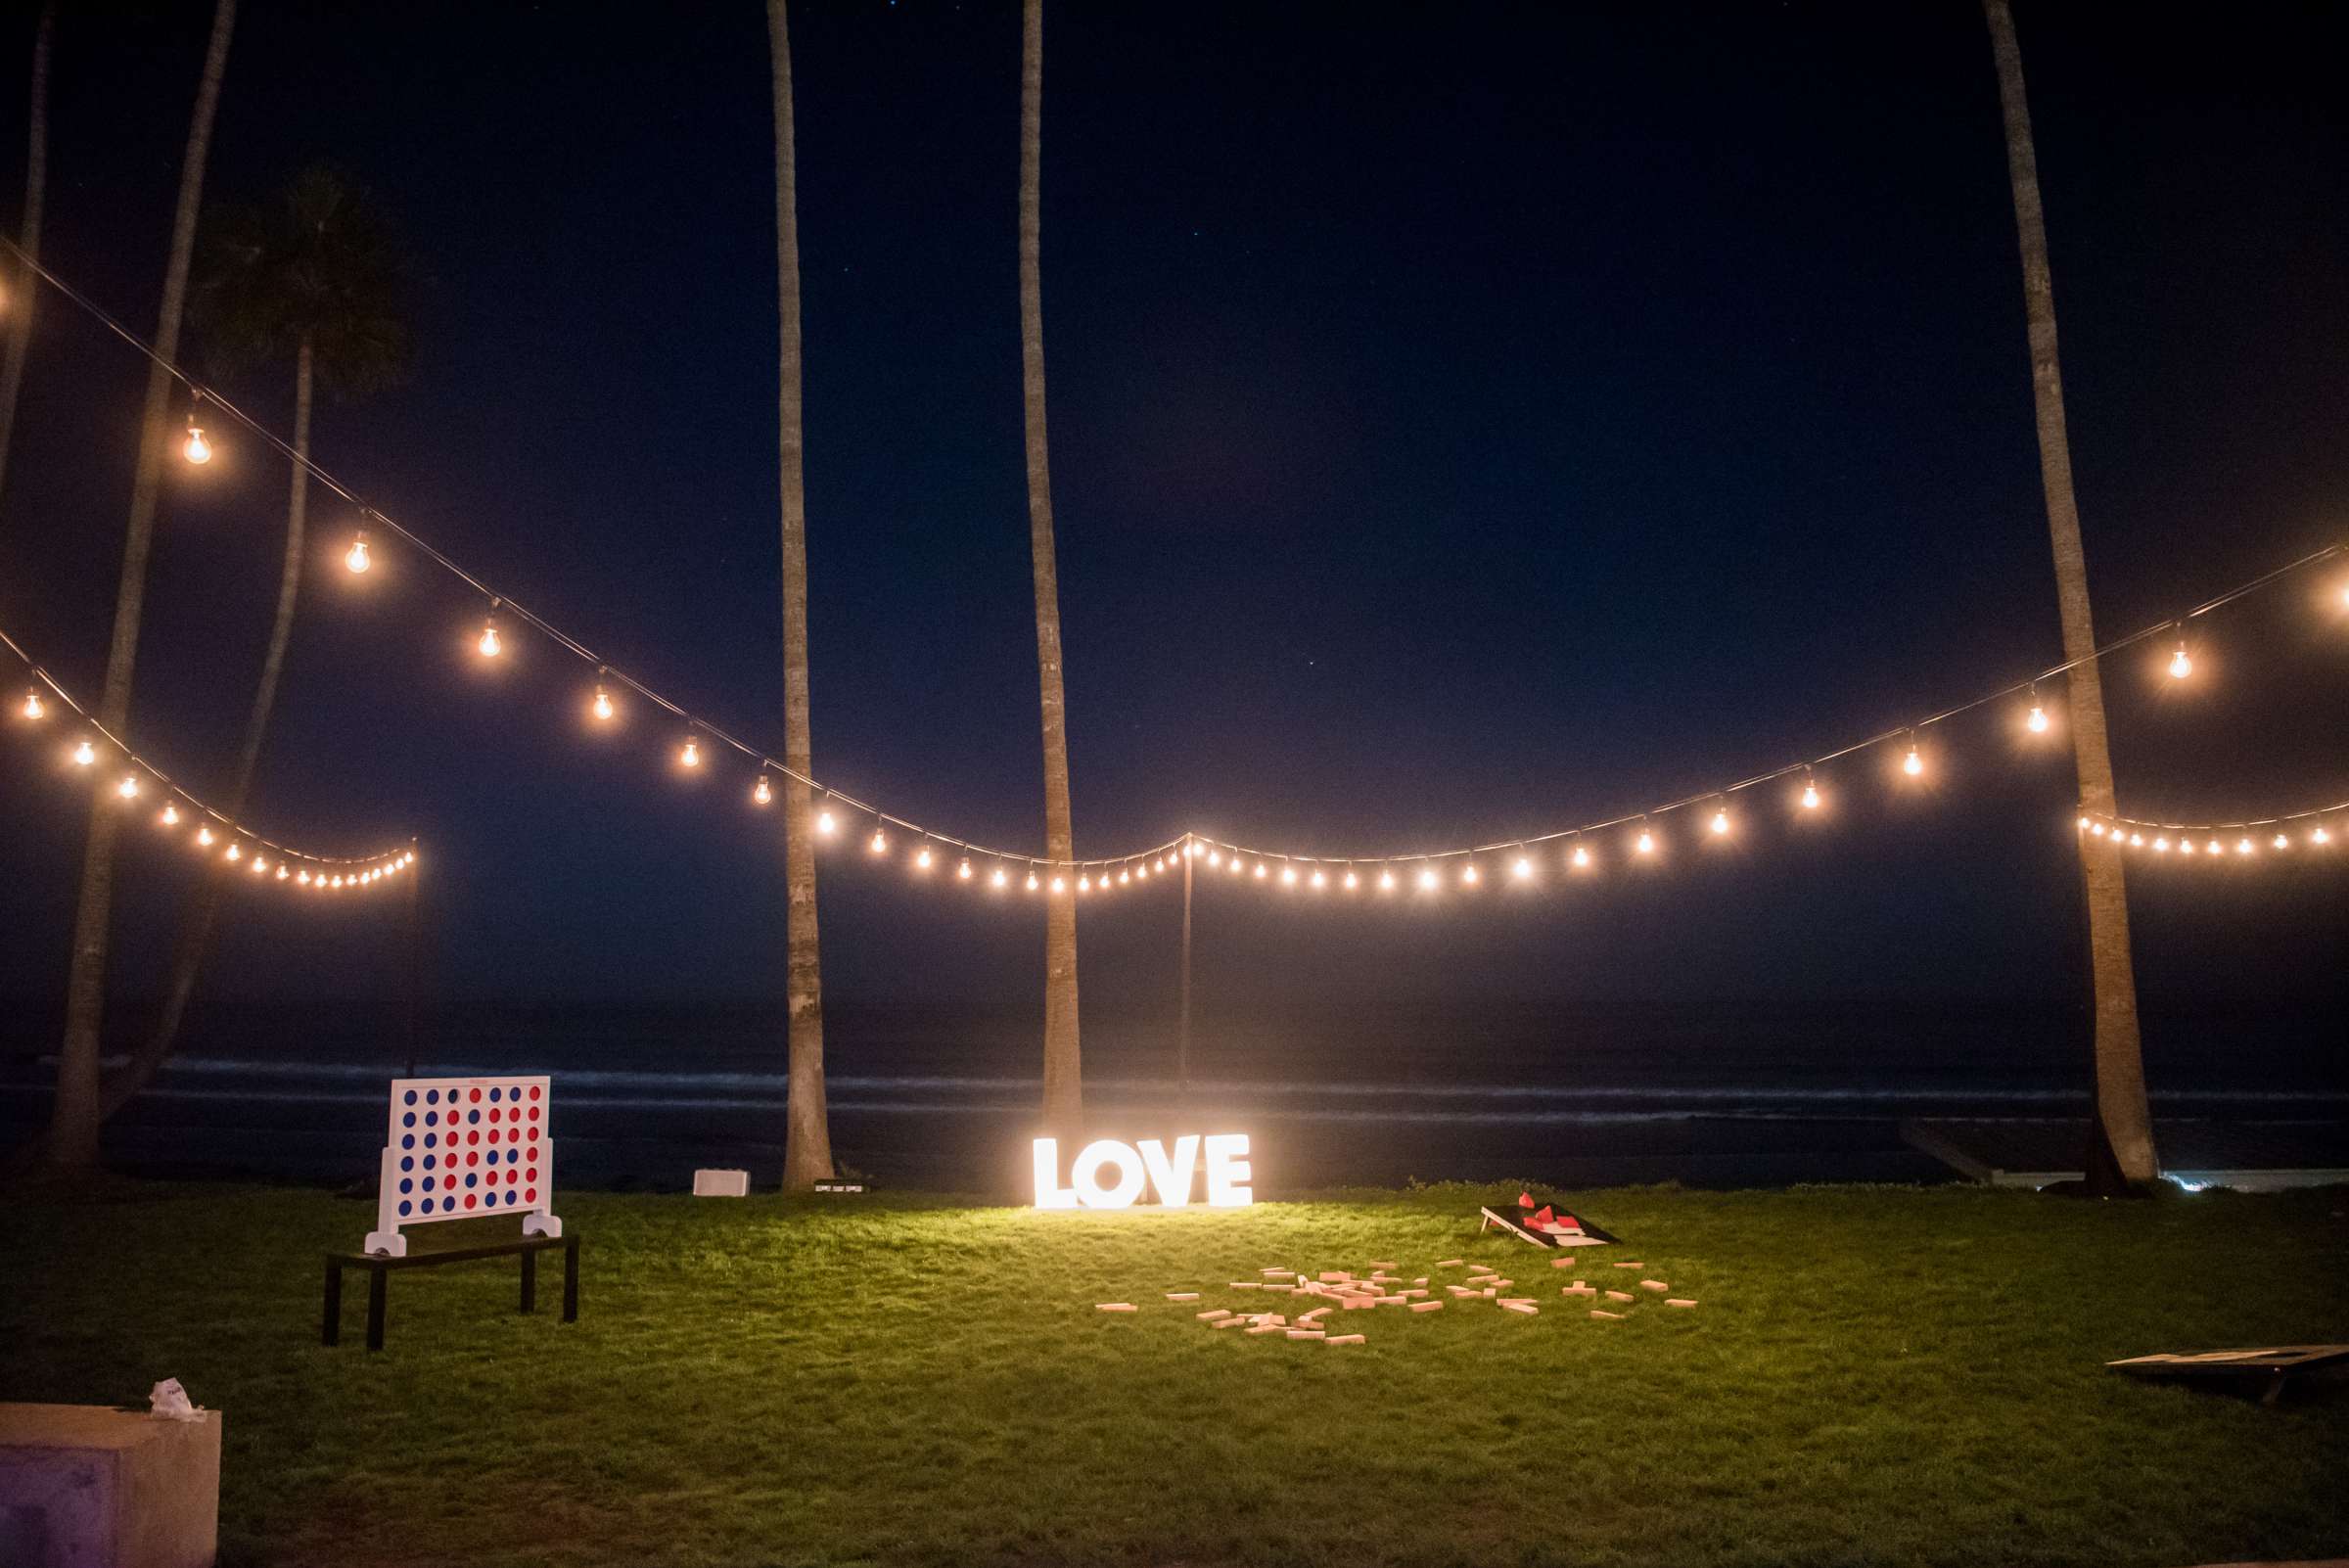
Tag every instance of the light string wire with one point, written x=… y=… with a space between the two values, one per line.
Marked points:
x=1184 y=843
x=174 y=792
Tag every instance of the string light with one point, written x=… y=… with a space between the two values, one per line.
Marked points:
x=171 y=816
x=1522 y=869
x=1318 y=880
x=1000 y=877
x=2282 y=841
x=691 y=755
x=1581 y=858
x=824 y=822
x=1468 y=877
x=203 y=838
x=602 y=707
x=355 y=559
x=1386 y=882
x=1427 y=880
x=761 y=793
x=1721 y=822
x=962 y=872
x=198 y=450
x=85 y=754
x=2181 y=665
x=1058 y=883
x=1031 y=883
x=32 y=705
x=1288 y=874
x=1260 y=870
x=2037 y=722
x=921 y=859
x=1913 y=765
x=128 y=789
x=236 y=852
x=1235 y=865
x=880 y=843
x=2320 y=836
x=1646 y=843
x=1810 y=792
x=489 y=645
x=1352 y=881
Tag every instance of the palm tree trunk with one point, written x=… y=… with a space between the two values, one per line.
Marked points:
x=2121 y=1104
x=73 y=1119
x=29 y=238
x=204 y=904
x=1064 y=1079
x=808 y=1129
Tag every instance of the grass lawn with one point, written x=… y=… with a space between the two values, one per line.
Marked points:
x=1875 y=1375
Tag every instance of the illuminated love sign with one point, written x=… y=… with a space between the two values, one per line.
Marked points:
x=1126 y=1165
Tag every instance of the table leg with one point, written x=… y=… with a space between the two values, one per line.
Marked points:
x=330 y=1326
x=529 y=1279
x=375 y=1306
x=570 y=1279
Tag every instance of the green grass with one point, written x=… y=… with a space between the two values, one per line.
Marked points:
x=1875 y=1375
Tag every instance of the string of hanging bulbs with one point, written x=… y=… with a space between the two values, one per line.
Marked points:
x=839 y=816
x=181 y=816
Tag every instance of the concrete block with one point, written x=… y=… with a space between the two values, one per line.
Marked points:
x=720 y=1183
x=83 y=1484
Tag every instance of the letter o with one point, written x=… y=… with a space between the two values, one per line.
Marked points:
x=1089 y=1160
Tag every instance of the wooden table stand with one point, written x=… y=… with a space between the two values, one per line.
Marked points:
x=379 y=1267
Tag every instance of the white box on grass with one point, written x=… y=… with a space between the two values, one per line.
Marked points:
x=721 y=1183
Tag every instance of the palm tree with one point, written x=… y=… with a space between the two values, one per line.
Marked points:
x=19 y=300
x=808 y=1130
x=73 y=1117
x=316 y=279
x=1064 y=1077
x=2122 y=1110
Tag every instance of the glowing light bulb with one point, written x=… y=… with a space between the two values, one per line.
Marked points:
x=880 y=843
x=2097 y=828
x=357 y=558
x=203 y=838
x=33 y=708
x=128 y=789
x=2320 y=836
x=2161 y=845
x=1214 y=858
x=338 y=879
x=963 y=871
x=2082 y=822
x=1469 y=876
x=491 y=646
x=1386 y=882
x=1809 y=794
x=2242 y=846
x=282 y=872
x=236 y=852
x=1000 y=877
x=303 y=879
x=171 y=816
x=85 y=754
x=199 y=450
x=2181 y=665
x=1351 y=882
x=260 y=866
x=1427 y=880
x=1084 y=884
x=761 y=793
x=1645 y=844
x=1142 y=873
x=1523 y=869
x=603 y=703
x=2136 y=841
x=1288 y=874
x=2282 y=841
x=1913 y=765
x=2037 y=722
x=1721 y=822
x=1318 y=880
x=1581 y=855
x=824 y=822
x=921 y=857
x=1031 y=882
x=1128 y=876
x=691 y=756
x=1058 y=883
x=2212 y=847
x=2186 y=845
x=1235 y=865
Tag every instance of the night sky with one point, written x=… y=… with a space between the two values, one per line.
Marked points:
x=1465 y=422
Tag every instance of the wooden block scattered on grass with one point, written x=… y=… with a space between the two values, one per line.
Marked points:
x=1389 y=1263
x=1484 y=1278
x=1277 y=1273
x=1335 y=1277
x=1182 y=1295
x=1285 y=1290
x=1114 y=1306
x=1679 y=1301
x=1427 y=1305
x=1235 y=1322
x=1247 y=1284
x=1654 y=1284
x=1525 y=1307
x=1632 y=1266
x=1394 y=1300
x=1215 y=1316
x=1613 y=1317
x=1459 y=1290
x=1268 y=1328
x=1488 y=1293
x=1450 y=1262
x=1309 y=1333
x=1621 y=1295
x=1343 y=1339
x=1564 y=1262
x=1578 y=1288
x=1350 y=1303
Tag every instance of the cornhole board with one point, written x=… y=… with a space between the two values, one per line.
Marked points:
x=1546 y=1224
x=2278 y=1363
x=459 y=1148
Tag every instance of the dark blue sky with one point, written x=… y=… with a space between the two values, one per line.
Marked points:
x=1465 y=422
